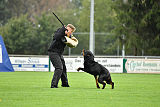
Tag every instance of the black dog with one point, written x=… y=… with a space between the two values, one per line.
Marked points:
x=96 y=69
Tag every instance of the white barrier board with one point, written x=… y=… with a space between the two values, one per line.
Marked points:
x=114 y=65
x=142 y=66
x=29 y=63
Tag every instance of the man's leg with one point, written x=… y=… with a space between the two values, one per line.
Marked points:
x=64 y=74
x=56 y=61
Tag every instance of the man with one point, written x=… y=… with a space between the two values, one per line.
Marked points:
x=55 y=52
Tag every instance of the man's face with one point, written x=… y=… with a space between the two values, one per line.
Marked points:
x=69 y=32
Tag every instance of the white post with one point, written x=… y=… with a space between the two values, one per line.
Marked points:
x=69 y=51
x=91 y=40
x=123 y=47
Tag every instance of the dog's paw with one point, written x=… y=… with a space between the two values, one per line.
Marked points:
x=112 y=85
x=98 y=86
x=103 y=86
x=78 y=69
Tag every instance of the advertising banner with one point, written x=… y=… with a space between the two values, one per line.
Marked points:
x=5 y=63
x=114 y=65
x=29 y=63
x=71 y=64
x=142 y=65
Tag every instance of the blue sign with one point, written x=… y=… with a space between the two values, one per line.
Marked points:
x=5 y=63
x=30 y=65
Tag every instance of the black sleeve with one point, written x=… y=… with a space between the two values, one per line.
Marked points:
x=60 y=33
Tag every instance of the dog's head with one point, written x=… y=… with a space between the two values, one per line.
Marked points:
x=88 y=55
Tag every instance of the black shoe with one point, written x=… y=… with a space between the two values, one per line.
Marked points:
x=54 y=86
x=65 y=85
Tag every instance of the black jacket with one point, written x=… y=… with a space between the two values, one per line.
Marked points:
x=57 y=45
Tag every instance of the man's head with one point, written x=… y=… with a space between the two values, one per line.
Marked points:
x=70 y=29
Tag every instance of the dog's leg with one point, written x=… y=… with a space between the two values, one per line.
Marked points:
x=104 y=85
x=100 y=80
x=80 y=69
x=109 y=81
x=112 y=83
x=96 y=81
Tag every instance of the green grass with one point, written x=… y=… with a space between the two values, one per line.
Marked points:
x=32 y=89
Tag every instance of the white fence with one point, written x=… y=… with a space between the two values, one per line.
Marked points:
x=115 y=64
x=42 y=63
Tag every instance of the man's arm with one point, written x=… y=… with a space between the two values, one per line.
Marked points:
x=60 y=33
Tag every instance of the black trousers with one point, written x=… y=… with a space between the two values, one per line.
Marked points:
x=60 y=69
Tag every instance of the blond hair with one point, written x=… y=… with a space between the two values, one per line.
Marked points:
x=72 y=27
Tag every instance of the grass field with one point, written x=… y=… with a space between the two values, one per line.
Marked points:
x=32 y=89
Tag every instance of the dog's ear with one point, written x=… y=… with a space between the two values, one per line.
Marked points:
x=83 y=52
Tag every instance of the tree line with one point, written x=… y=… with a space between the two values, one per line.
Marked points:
x=27 y=27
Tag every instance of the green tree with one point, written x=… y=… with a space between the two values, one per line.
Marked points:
x=139 y=22
x=19 y=36
x=4 y=13
x=9 y=9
